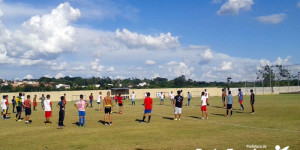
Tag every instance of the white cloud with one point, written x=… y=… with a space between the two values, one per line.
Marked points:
x=180 y=69
x=233 y=7
x=150 y=62
x=111 y=69
x=59 y=75
x=61 y=67
x=29 y=76
x=95 y=66
x=79 y=68
x=171 y=63
x=135 y=40
x=48 y=76
x=226 y=66
x=272 y=19
x=281 y=61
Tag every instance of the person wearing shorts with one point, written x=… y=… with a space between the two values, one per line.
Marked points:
x=189 y=99
x=240 y=95
x=19 y=107
x=252 y=100
x=148 y=108
x=107 y=106
x=229 y=104
x=42 y=99
x=81 y=105
x=207 y=96
x=34 y=103
x=27 y=106
x=203 y=105
x=4 y=107
x=178 y=101
x=120 y=103
x=91 y=97
x=116 y=99
x=99 y=100
x=133 y=98
x=172 y=97
x=162 y=96
x=223 y=97
x=48 y=109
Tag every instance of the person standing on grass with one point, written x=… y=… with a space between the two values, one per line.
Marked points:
x=99 y=100
x=116 y=99
x=189 y=99
x=13 y=101
x=34 y=103
x=172 y=97
x=252 y=100
x=91 y=97
x=107 y=106
x=19 y=107
x=81 y=105
x=203 y=105
x=48 y=109
x=148 y=108
x=229 y=103
x=223 y=97
x=240 y=95
x=120 y=104
x=162 y=96
x=4 y=107
x=27 y=106
x=178 y=101
x=207 y=96
x=61 y=116
x=133 y=98
x=42 y=99
x=65 y=99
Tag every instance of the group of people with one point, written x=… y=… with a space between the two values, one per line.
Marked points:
x=177 y=101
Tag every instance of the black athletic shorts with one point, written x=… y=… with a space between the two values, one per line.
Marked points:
x=19 y=109
x=252 y=103
x=107 y=110
x=223 y=99
x=229 y=106
x=27 y=111
x=120 y=104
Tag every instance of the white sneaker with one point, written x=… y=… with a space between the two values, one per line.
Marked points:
x=179 y=119
x=175 y=118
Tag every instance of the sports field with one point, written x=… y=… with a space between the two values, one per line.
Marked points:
x=276 y=122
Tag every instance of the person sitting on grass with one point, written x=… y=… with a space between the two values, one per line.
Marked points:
x=107 y=106
x=229 y=103
x=81 y=105
x=148 y=108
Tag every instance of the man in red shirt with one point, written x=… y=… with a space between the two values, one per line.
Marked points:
x=120 y=103
x=116 y=99
x=91 y=99
x=148 y=108
x=27 y=106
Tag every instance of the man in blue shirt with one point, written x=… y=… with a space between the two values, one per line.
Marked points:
x=189 y=99
x=240 y=95
x=229 y=103
x=61 y=106
x=14 y=104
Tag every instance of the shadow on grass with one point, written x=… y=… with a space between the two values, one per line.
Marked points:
x=102 y=122
x=195 y=117
x=218 y=107
x=239 y=112
x=76 y=123
x=141 y=149
x=168 y=118
x=218 y=114
x=138 y=120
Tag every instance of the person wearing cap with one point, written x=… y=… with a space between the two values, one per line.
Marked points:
x=178 y=101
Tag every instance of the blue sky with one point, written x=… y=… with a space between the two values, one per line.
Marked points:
x=203 y=40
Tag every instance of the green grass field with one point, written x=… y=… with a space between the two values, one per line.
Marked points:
x=276 y=122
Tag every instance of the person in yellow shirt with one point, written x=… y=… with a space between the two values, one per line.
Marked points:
x=19 y=107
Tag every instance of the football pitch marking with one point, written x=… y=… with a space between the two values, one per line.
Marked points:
x=230 y=124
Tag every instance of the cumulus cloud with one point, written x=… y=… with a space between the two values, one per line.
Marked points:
x=179 y=69
x=95 y=65
x=44 y=36
x=150 y=62
x=272 y=19
x=135 y=40
x=79 y=68
x=29 y=76
x=233 y=7
x=60 y=67
x=59 y=75
x=110 y=69
x=226 y=66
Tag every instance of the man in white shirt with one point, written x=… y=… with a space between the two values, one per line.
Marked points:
x=133 y=98
x=172 y=97
x=203 y=105
x=4 y=107
x=48 y=109
x=162 y=96
x=99 y=100
x=207 y=96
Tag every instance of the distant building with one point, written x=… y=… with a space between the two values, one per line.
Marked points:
x=63 y=85
x=142 y=84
